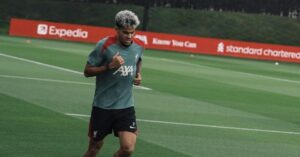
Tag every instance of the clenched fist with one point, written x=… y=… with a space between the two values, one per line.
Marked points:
x=116 y=61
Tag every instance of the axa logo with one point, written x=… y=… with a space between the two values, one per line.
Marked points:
x=44 y=29
x=124 y=70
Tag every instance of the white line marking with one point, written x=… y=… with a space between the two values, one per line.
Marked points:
x=141 y=87
x=202 y=125
x=42 y=64
x=77 y=115
x=46 y=80
x=56 y=67
x=58 y=81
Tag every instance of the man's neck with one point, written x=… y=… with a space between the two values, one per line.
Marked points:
x=124 y=45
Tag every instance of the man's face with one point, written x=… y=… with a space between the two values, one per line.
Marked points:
x=125 y=35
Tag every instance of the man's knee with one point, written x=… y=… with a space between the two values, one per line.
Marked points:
x=95 y=145
x=128 y=149
x=127 y=143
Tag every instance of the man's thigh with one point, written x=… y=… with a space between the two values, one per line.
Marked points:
x=100 y=124
x=127 y=139
x=124 y=121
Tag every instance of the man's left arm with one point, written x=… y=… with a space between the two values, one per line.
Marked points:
x=138 y=77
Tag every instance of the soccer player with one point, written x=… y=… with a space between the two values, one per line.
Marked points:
x=116 y=63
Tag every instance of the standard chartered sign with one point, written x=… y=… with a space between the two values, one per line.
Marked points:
x=44 y=29
x=268 y=52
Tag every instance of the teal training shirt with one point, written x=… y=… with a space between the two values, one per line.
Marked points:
x=114 y=87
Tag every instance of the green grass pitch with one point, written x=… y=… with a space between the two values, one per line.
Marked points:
x=190 y=106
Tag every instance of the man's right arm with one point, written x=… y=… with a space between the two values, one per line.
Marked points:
x=90 y=71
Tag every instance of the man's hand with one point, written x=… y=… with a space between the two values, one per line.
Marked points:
x=116 y=61
x=137 y=80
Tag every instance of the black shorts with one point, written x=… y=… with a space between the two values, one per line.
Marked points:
x=104 y=121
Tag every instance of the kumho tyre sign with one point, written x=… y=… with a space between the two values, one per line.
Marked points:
x=160 y=41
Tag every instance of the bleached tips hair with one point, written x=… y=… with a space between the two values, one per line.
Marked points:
x=126 y=18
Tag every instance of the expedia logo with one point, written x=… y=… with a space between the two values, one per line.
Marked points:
x=44 y=29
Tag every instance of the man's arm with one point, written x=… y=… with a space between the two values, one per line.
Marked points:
x=138 y=77
x=90 y=70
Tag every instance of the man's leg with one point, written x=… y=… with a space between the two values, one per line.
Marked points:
x=100 y=126
x=94 y=147
x=127 y=144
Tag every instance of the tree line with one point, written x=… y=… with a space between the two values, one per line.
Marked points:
x=289 y=8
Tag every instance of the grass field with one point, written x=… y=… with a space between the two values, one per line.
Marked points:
x=190 y=106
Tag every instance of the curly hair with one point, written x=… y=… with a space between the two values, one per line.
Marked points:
x=126 y=18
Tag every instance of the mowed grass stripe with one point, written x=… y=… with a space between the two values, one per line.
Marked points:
x=30 y=130
x=59 y=88
x=260 y=102
x=202 y=125
x=41 y=64
x=59 y=81
x=53 y=67
x=288 y=71
x=216 y=70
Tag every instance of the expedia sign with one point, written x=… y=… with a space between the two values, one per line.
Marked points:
x=44 y=29
x=54 y=30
